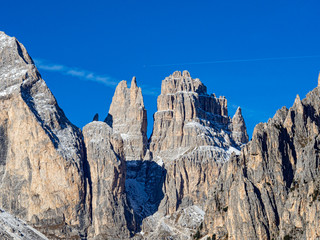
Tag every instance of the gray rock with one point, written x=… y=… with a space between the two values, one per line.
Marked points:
x=272 y=189
x=13 y=228
x=107 y=171
x=238 y=127
x=68 y=185
x=128 y=117
x=41 y=170
x=191 y=139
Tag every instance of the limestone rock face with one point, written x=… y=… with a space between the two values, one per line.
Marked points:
x=188 y=116
x=128 y=117
x=191 y=134
x=198 y=174
x=181 y=225
x=191 y=140
x=272 y=189
x=107 y=170
x=238 y=127
x=41 y=152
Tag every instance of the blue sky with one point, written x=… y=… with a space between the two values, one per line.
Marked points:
x=259 y=54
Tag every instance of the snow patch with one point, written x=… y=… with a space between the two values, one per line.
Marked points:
x=18 y=229
x=5 y=40
x=10 y=90
x=233 y=150
x=159 y=161
x=125 y=136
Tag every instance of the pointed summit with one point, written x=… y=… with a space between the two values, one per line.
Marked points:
x=133 y=83
x=128 y=117
x=297 y=100
x=36 y=135
x=15 y=62
x=319 y=80
x=176 y=74
x=298 y=104
x=238 y=112
x=186 y=73
x=239 y=130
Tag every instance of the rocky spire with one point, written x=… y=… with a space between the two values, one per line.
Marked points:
x=280 y=166
x=298 y=105
x=96 y=117
x=104 y=150
x=128 y=117
x=188 y=116
x=133 y=83
x=15 y=62
x=41 y=152
x=319 y=80
x=239 y=130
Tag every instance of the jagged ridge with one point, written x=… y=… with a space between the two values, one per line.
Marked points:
x=111 y=183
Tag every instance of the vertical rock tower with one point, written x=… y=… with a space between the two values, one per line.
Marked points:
x=238 y=128
x=188 y=116
x=107 y=170
x=128 y=117
x=41 y=152
x=192 y=138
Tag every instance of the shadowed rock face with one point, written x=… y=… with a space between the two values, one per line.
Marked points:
x=106 y=166
x=272 y=189
x=192 y=138
x=4 y=144
x=144 y=183
x=110 y=184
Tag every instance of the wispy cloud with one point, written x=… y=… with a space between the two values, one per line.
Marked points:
x=75 y=72
x=87 y=75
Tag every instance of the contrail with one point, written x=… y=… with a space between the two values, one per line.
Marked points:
x=233 y=61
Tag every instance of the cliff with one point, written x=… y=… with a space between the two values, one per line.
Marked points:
x=271 y=190
x=197 y=176
x=41 y=156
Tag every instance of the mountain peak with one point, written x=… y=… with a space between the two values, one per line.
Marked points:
x=128 y=117
x=15 y=62
x=188 y=116
x=238 y=111
x=178 y=83
x=239 y=130
x=133 y=83
x=41 y=140
x=186 y=73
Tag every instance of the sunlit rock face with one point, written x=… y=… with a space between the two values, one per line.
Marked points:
x=41 y=152
x=192 y=138
x=187 y=116
x=196 y=176
x=274 y=182
x=128 y=117
x=107 y=171
x=238 y=128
